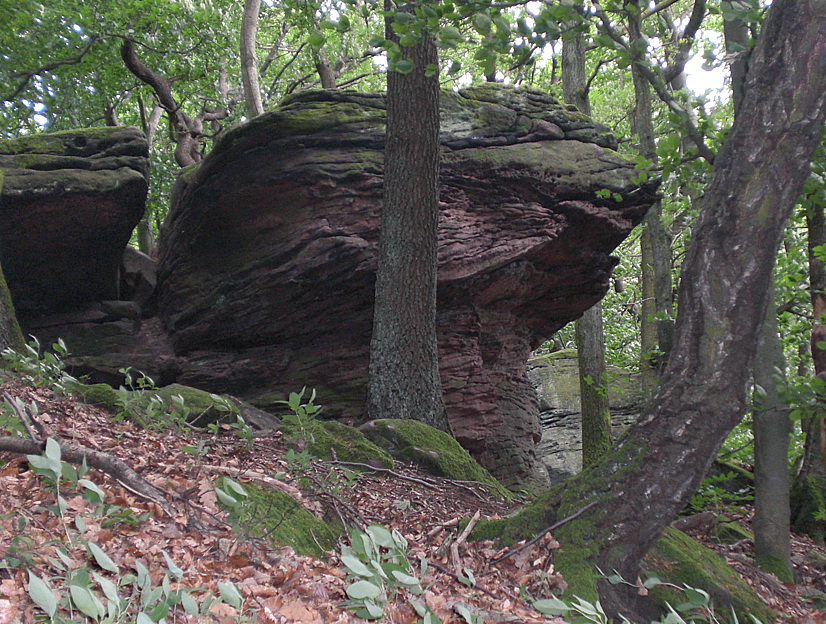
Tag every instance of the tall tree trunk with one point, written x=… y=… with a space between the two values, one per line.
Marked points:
x=772 y=429
x=404 y=377
x=814 y=456
x=590 y=339
x=655 y=246
x=10 y=335
x=757 y=176
x=249 y=59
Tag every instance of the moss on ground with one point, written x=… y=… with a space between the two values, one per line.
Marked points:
x=434 y=450
x=323 y=438
x=680 y=560
x=283 y=521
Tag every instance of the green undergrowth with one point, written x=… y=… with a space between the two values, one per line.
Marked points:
x=434 y=450
x=808 y=501
x=325 y=438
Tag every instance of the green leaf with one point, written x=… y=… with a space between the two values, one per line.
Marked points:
x=52 y=449
x=143 y=619
x=100 y=496
x=189 y=604
x=225 y=498
x=354 y=565
x=86 y=602
x=174 y=570
x=229 y=592
x=236 y=487
x=405 y=579
x=41 y=593
x=482 y=24
x=316 y=40
x=363 y=589
x=381 y=536
x=102 y=558
x=551 y=606
x=404 y=66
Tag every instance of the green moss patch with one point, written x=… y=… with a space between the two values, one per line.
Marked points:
x=99 y=395
x=678 y=559
x=283 y=521
x=323 y=438
x=434 y=450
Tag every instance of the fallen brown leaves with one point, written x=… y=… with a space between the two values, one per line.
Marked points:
x=278 y=585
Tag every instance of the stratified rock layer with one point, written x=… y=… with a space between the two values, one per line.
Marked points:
x=68 y=205
x=268 y=257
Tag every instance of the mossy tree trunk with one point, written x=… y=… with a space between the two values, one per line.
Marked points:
x=590 y=338
x=10 y=335
x=757 y=176
x=404 y=379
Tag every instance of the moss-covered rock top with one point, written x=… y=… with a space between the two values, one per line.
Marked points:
x=680 y=560
x=278 y=517
x=325 y=439
x=434 y=450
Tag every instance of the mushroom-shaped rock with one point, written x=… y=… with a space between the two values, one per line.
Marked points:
x=268 y=256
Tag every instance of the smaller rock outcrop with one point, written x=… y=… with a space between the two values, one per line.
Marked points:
x=68 y=205
x=556 y=379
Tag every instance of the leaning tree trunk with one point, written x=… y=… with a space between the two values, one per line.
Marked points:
x=757 y=176
x=404 y=377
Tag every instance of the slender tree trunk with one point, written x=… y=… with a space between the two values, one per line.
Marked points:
x=757 y=176
x=772 y=429
x=590 y=339
x=324 y=69
x=404 y=377
x=655 y=246
x=814 y=455
x=249 y=59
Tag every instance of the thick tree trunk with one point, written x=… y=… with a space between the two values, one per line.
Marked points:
x=404 y=377
x=249 y=59
x=757 y=176
x=772 y=429
x=590 y=338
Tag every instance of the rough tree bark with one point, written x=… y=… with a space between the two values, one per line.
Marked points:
x=404 y=377
x=771 y=426
x=757 y=176
x=249 y=59
x=590 y=338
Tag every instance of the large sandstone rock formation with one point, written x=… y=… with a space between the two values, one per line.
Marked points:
x=68 y=204
x=267 y=259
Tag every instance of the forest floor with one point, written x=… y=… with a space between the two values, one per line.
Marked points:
x=277 y=585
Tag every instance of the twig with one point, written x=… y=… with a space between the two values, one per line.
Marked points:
x=454 y=547
x=455 y=577
x=556 y=525
x=398 y=475
x=450 y=523
x=24 y=418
